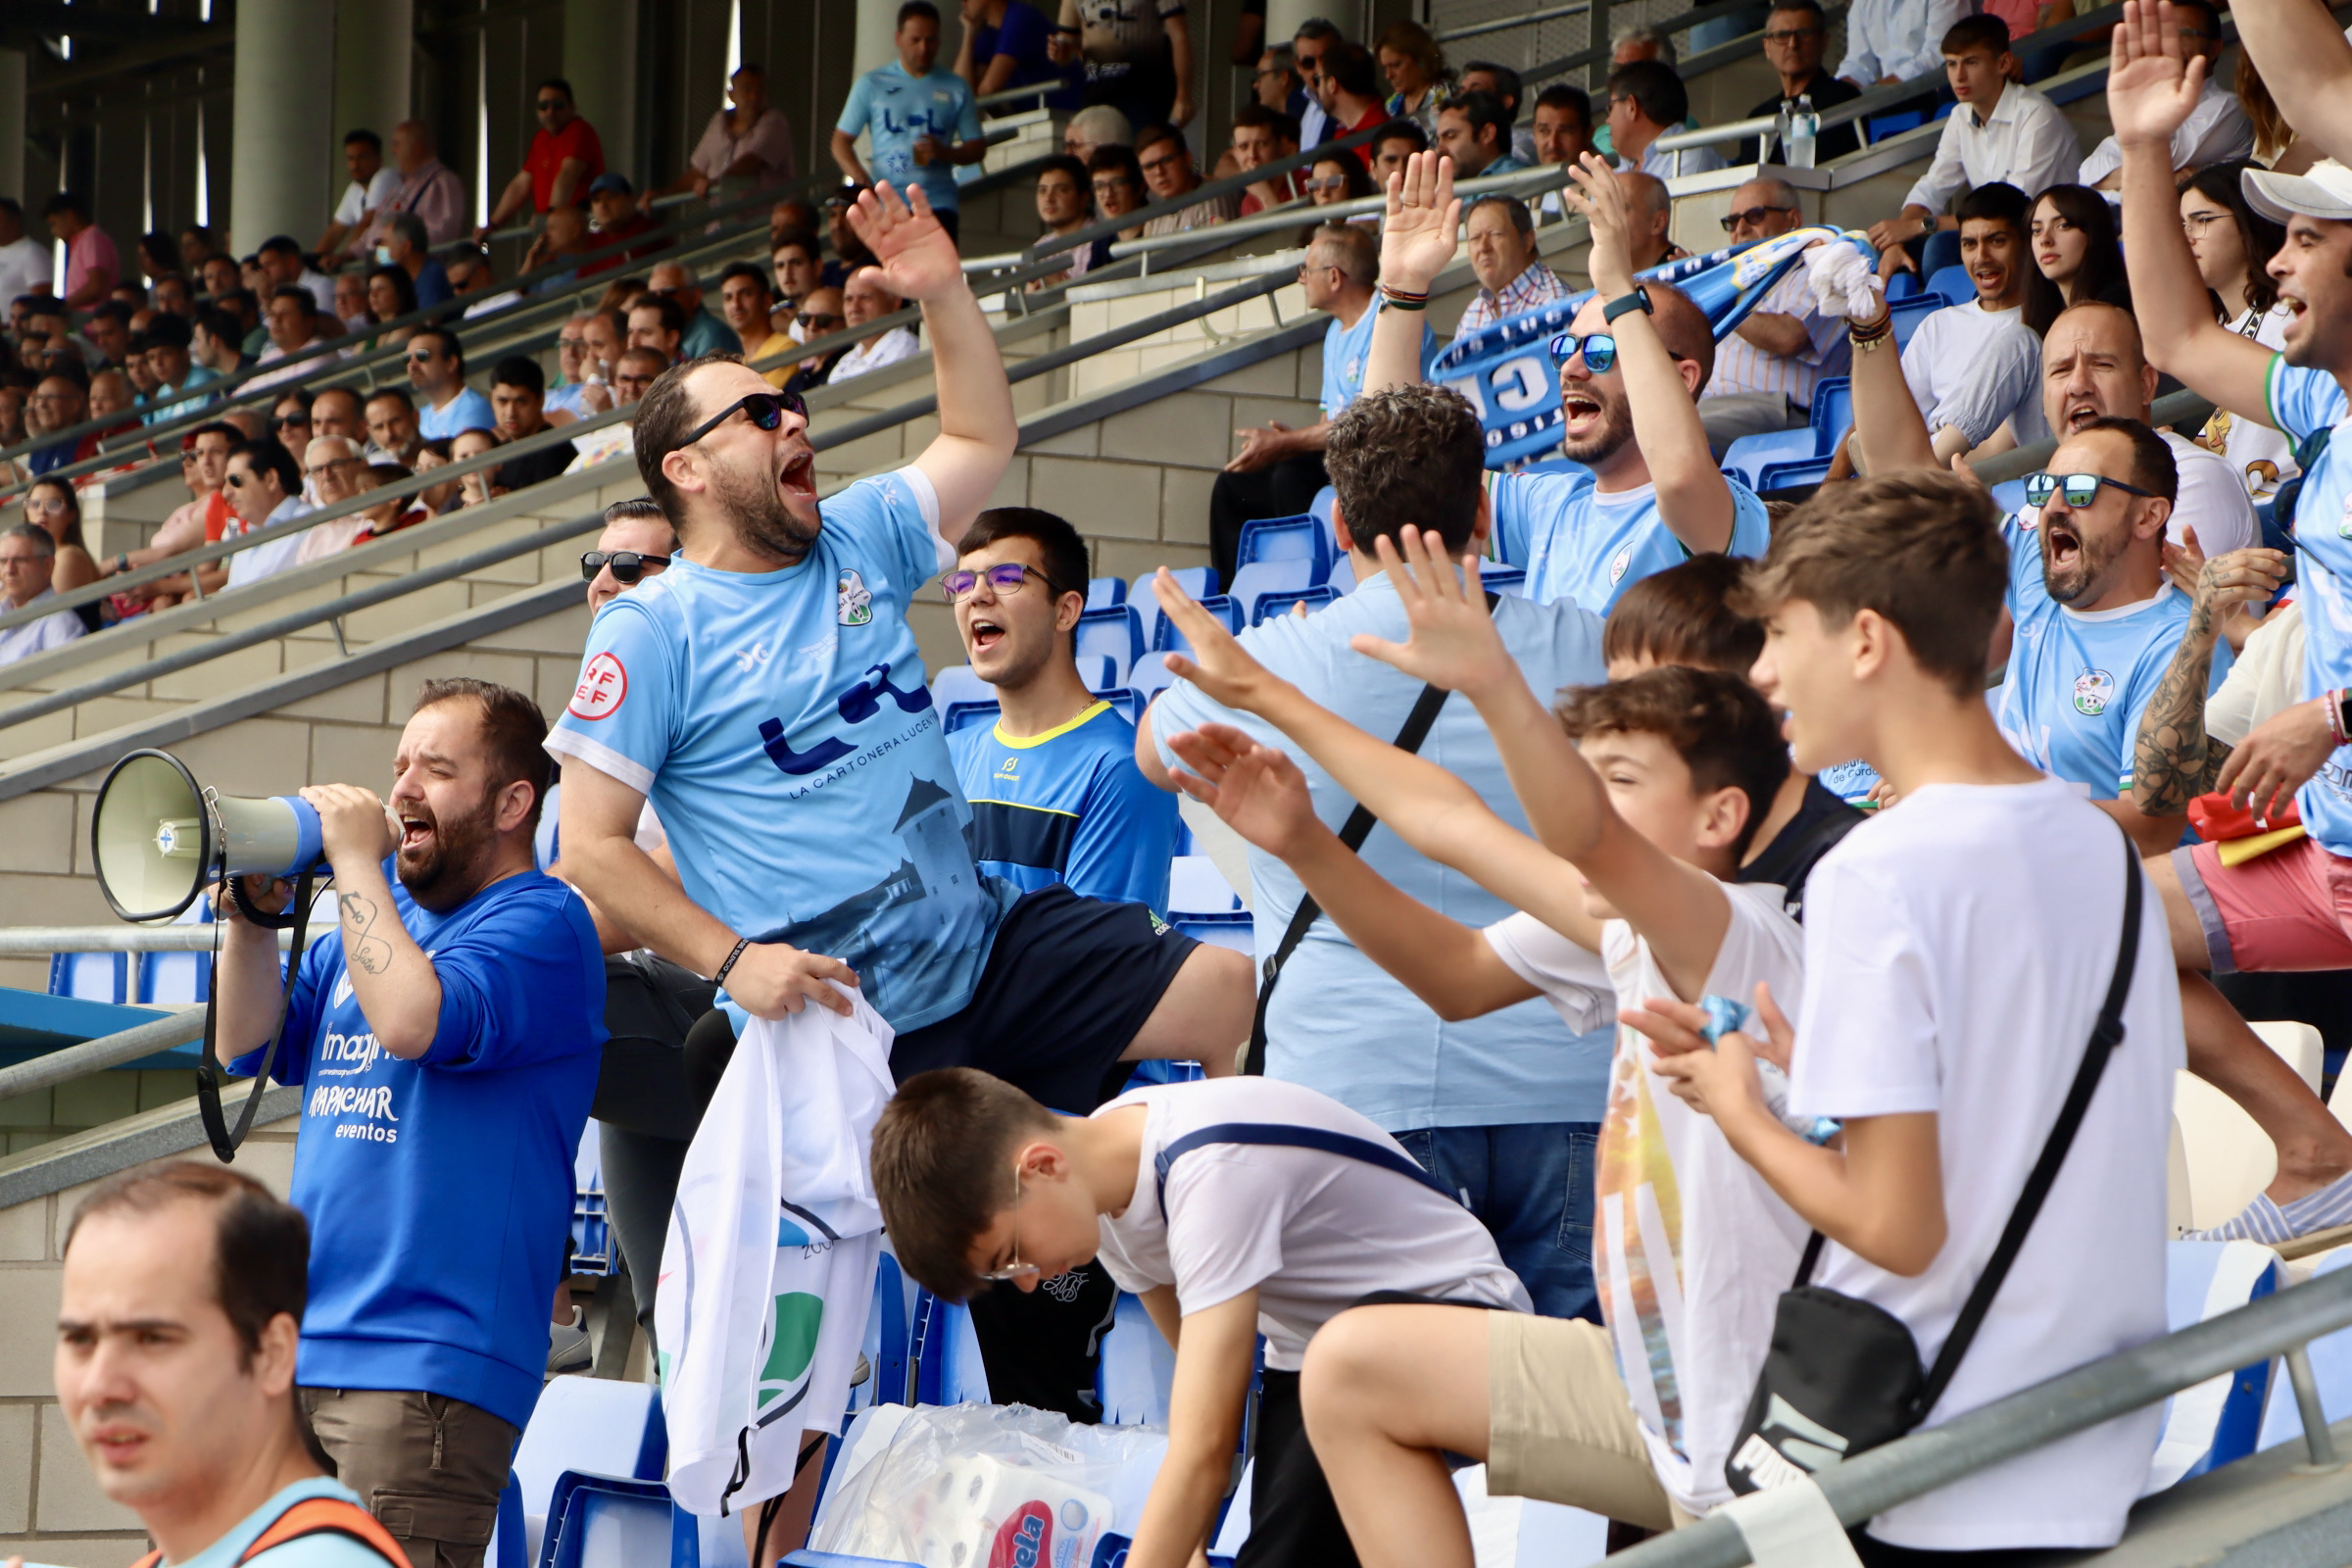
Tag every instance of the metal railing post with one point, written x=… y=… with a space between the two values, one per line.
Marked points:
x=2316 y=1437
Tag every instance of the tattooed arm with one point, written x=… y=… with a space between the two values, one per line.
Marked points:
x=2174 y=761
x=390 y=974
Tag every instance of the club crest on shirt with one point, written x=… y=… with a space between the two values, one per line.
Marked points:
x=1617 y=567
x=603 y=684
x=2094 y=689
x=853 y=605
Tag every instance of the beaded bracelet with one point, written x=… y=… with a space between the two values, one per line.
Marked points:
x=1403 y=300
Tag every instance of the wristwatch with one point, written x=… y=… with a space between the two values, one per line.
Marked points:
x=1627 y=303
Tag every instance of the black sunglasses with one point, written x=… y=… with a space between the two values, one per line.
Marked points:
x=1754 y=217
x=628 y=566
x=766 y=410
x=2080 y=489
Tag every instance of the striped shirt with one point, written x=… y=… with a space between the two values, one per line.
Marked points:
x=1537 y=286
x=1742 y=367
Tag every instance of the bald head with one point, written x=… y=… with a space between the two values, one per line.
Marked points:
x=1682 y=328
x=2094 y=366
x=1651 y=211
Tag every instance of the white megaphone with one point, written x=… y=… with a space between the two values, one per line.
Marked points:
x=159 y=837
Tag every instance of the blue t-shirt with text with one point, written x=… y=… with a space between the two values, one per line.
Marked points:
x=1590 y=547
x=439 y=1189
x=2080 y=680
x=2303 y=401
x=781 y=726
x=1068 y=805
x=896 y=110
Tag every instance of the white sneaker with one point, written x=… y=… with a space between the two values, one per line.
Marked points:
x=568 y=1346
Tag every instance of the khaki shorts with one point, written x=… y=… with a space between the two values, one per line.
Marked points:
x=430 y=1468
x=1561 y=1427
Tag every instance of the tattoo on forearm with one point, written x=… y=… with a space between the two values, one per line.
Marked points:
x=2173 y=760
x=361 y=945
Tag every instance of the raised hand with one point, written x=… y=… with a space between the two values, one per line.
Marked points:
x=1423 y=223
x=1844 y=288
x=1599 y=196
x=1254 y=790
x=2151 y=87
x=913 y=249
x=1220 y=666
x=1453 y=641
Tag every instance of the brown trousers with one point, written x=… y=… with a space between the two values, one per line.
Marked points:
x=429 y=1468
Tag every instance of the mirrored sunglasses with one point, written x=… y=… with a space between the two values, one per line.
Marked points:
x=2080 y=489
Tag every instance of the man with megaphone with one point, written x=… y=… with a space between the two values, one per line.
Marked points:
x=447 y=1036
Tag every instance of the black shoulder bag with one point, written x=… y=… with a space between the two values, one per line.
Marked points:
x=1352 y=833
x=1842 y=1375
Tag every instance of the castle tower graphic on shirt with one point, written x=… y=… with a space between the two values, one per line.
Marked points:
x=1638 y=1236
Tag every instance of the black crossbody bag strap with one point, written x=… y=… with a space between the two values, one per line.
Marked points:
x=1358 y=828
x=2105 y=1036
x=211 y=1073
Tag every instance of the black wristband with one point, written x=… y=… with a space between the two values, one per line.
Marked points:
x=720 y=978
x=1626 y=305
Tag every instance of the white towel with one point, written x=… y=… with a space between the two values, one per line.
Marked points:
x=770 y=1267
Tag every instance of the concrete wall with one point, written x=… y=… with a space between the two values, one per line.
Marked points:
x=51 y=1511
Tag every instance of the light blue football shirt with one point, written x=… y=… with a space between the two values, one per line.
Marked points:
x=1339 y=1023
x=780 y=723
x=1590 y=547
x=2303 y=401
x=2080 y=680
x=896 y=110
x=468 y=411
x=1068 y=805
x=1347 y=350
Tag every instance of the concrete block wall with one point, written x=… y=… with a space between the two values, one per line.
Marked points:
x=50 y=1509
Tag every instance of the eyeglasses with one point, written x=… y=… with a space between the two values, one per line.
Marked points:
x=1014 y=1268
x=2080 y=489
x=766 y=410
x=628 y=566
x=1005 y=579
x=1306 y=268
x=1319 y=186
x=2193 y=224
x=1753 y=218
x=821 y=321
x=1156 y=164
x=1792 y=35
x=571 y=343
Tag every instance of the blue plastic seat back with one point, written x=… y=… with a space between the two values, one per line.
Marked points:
x=1115 y=633
x=2219 y=1420
x=1901 y=286
x=593 y=1426
x=1304 y=537
x=1137 y=1370
x=1238 y=934
x=1320 y=507
x=614 y=1522
x=1150 y=678
x=1100 y=672
x=1833 y=411
x=948 y=1367
x=1198 y=581
x=1782 y=476
x=507 y=1541
x=2010 y=495
x=1749 y=455
x=1168 y=639
x=1103 y=592
x=1953 y=284
x=958 y=684
x=1284 y=604
x=1254 y=579
x=91 y=976
x=953 y=716
x=1196 y=887
x=1882 y=126
x=1908 y=314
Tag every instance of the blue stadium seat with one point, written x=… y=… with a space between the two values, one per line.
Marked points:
x=1510 y=580
x=1100 y=672
x=958 y=684
x=1138 y=1367
x=1166 y=638
x=1320 y=507
x=1343 y=575
x=616 y=1522
x=1150 y=678
x=1908 y=314
x=1953 y=284
x=1782 y=475
x=1882 y=126
x=1254 y=579
x=506 y=1536
x=1115 y=632
x=592 y=1426
x=1129 y=704
x=1304 y=537
x=1198 y=581
x=948 y=1369
x=1901 y=286
x=592 y=1248
x=1833 y=413
x=953 y=716
x=91 y=976
x=2219 y=1420
x=1198 y=889
x=1234 y=934
x=1103 y=592
x=1747 y=457
x=1283 y=603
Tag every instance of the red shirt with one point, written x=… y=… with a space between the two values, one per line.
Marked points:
x=577 y=139
x=635 y=224
x=1377 y=116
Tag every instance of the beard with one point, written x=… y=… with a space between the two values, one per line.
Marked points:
x=2094 y=557
x=764 y=520
x=445 y=870
x=1614 y=429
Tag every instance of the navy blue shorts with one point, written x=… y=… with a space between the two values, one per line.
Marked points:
x=1067 y=989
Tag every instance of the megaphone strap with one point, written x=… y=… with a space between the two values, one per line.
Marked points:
x=210 y=1072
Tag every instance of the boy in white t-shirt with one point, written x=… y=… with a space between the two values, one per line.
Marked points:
x=1957 y=950
x=1232 y=1207
x=1626 y=898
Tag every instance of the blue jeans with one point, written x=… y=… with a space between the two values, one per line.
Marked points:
x=1530 y=1185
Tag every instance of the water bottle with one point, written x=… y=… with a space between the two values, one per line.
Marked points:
x=1803 y=128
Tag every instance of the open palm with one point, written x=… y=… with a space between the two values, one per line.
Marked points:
x=915 y=251
x=1418 y=233
x=1454 y=643
x=2151 y=87
x=1254 y=790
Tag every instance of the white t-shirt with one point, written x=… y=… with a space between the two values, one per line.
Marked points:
x=1944 y=350
x=360 y=200
x=1313 y=1232
x=1957 y=948
x=2256 y=453
x=23 y=268
x=1690 y=1248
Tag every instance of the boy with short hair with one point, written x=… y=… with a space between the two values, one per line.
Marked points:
x=1233 y=1207
x=1643 y=796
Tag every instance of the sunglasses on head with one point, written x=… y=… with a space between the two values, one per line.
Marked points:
x=2080 y=489
x=766 y=410
x=628 y=566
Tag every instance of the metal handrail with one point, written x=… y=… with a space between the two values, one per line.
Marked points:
x=1674 y=141
x=1526 y=19
x=32 y=940
x=2172 y=409
x=106 y=1051
x=1870 y=1483
x=1545 y=177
